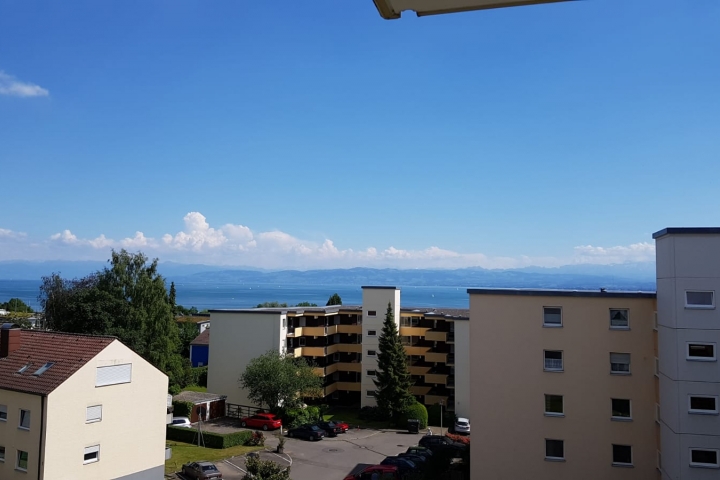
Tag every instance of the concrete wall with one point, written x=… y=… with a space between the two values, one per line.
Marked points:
x=237 y=338
x=131 y=434
x=14 y=439
x=375 y=299
x=462 y=368
x=508 y=384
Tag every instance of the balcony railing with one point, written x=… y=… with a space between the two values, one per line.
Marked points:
x=451 y=359
x=553 y=364
x=451 y=337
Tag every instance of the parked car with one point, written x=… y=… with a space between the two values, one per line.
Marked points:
x=266 y=421
x=418 y=460
x=201 y=471
x=462 y=425
x=308 y=432
x=418 y=450
x=440 y=443
x=344 y=425
x=377 y=472
x=405 y=466
x=181 y=422
x=330 y=428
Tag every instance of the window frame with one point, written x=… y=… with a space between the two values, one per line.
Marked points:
x=705 y=465
x=373 y=354
x=372 y=333
x=3 y=409
x=18 y=458
x=620 y=372
x=562 y=360
x=372 y=313
x=3 y=452
x=627 y=319
x=21 y=417
x=554 y=459
x=371 y=373
x=302 y=341
x=553 y=325
x=95 y=420
x=695 y=306
x=622 y=464
x=562 y=405
x=695 y=411
x=691 y=358
x=93 y=449
x=370 y=393
x=617 y=418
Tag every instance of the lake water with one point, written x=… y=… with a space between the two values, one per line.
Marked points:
x=224 y=295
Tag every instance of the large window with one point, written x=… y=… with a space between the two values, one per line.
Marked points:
x=619 y=319
x=620 y=363
x=554 y=450
x=92 y=454
x=703 y=404
x=22 y=461
x=622 y=455
x=24 y=419
x=704 y=458
x=701 y=352
x=554 y=406
x=699 y=299
x=621 y=409
x=552 y=317
x=3 y=413
x=553 y=361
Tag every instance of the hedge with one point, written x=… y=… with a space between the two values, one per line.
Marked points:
x=182 y=409
x=417 y=411
x=212 y=440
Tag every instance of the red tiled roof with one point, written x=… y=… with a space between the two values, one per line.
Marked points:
x=69 y=352
x=202 y=339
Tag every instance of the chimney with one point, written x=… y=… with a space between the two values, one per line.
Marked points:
x=9 y=339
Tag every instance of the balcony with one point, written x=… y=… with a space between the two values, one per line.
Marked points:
x=349 y=367
x=349 y=329
x=436 y=399
x=450 y=337
x=349 y=347
x=436 y=378
x=324 y=371
x=349 y=386
x=418 y=370
x=313 y=331
x=436 y=357
x=410 y=350
x=450 y=382
x=420 y=390
x=451 y=359
x=436 y=336
x=413 y=331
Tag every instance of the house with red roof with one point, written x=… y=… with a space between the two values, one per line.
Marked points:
x=78 y=407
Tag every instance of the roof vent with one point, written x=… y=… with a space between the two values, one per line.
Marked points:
x=43 y=369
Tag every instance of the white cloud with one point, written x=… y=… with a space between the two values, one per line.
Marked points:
x=9 y=85
x=236 y=244
x=9 y=234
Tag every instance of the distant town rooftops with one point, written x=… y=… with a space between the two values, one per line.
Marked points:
x=457 y=313
x=560 y=293
x=687 y=231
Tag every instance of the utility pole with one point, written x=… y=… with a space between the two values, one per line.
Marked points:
x=441 y=416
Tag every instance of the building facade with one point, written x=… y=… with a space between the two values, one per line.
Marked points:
x=199 y=349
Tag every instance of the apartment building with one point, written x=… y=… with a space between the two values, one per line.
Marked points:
x=341 y=340
x=563 y=384
x=79 y=407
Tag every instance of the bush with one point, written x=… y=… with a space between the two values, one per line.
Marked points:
x=372 y=414
x=295 y=417
x=434 y=416
x=198 y=376
x=416 y=410
x=256 y=440
x=182 y=409
x=458 y=438
x=258 y=469
x=174 y=389
x=212 y=440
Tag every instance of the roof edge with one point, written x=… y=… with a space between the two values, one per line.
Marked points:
x=686 y=231
x=559 y=293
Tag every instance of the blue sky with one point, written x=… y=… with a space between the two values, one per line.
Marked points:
x=316 y=134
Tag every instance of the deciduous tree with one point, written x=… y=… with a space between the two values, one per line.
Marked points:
x=334 y=300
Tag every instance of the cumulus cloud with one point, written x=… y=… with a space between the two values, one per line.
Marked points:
x=637 y=252
x=9 y=85
x=9 y=234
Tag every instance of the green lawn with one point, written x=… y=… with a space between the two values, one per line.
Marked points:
x=185 y=452
x=195 y=388
x=350 y=416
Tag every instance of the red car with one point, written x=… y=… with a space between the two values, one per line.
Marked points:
x=266 y=421
x=345 y=427
x=376 y=472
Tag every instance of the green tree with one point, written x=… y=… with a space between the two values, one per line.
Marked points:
x=258 y=469
x=306 y=304
x=272 y=305
x=173 y=298
x=392 y=379
x=334 y=300
x=187 y=332
x=16 y=305
x=280 y=381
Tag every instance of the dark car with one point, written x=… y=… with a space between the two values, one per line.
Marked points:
x=201 y=471
x=439 y=443
x=422 y=451
x=418 y=460
x=344 y=425
x=404 y=465
x=376 y=472
x=308 y=432
x=330 y=428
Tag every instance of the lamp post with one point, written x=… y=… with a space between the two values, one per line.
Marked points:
x=441 y=416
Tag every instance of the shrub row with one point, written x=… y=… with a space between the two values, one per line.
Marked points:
x=372 y=414
x=299 y=416
x=212 y=440
x=417 y=411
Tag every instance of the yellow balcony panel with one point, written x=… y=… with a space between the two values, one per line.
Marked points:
x=332 y=349
x=413 y=331
x=296 y=332
x=326 y=370
x=418 y=370
x=330 y=389
x=349 y=367
x=319 y=371
x=436 y=357
x=416 y=350
x=419 y=390
x=436 y=336
x=435 y=399
x=349 y=329
x=435 y=378
x=310 y=352
x=317 y=331
x=349 y=386
x=349 y=347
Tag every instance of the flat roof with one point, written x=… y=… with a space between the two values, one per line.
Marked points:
x=687 y=231
x=559 y=293
x=376 y=287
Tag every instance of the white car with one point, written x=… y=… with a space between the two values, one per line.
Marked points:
x=462 y=425
x=181 y=422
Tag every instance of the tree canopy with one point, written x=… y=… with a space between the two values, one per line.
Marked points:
x=16 y=305
x=258 y=469
x=306 y=304
x=278 y=380
x=334 y=300
x=272 y=305
x=392 y=379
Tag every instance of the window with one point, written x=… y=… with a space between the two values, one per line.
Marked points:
x=370 y=393
x=2 y=454
x=415 y=321
x=371 y=373
x=622 y=455
x=620 y=363
x=699 y=299
x=619 y=319
x=22 y=461
x=336 y=357
x=290 y=343
x=553 y=361
x=92 y=454
x=43 y=369
x=621 y=409
x=93 y=414
x=704 y=458
x=24 y=368
x=301 y=341
x=554 y=406
x=701 y=352
x=371 y=353
x=284 y=323
x=372 y=313
x=552 y=317
x=113 y=375
x=703 y=404
x=372 y=333
x=406 y=340
x=554 y=450
x=24 y=419
x=3 y=413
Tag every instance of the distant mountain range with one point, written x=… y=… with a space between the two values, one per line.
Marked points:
x=630 y=276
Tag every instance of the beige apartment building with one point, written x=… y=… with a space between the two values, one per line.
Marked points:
x=342 y=342
x=77 y=407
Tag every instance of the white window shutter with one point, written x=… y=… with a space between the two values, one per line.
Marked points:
x=113 y=375
x=94 y=413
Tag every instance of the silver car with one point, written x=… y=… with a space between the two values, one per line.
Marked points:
x=462 y=425
x=181 y=422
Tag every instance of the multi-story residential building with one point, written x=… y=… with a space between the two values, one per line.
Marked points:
x=688 y=277
x=342 y=341
x=565 y=381
x=79 y=407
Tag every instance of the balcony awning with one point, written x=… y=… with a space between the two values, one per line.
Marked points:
x=390 y=9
